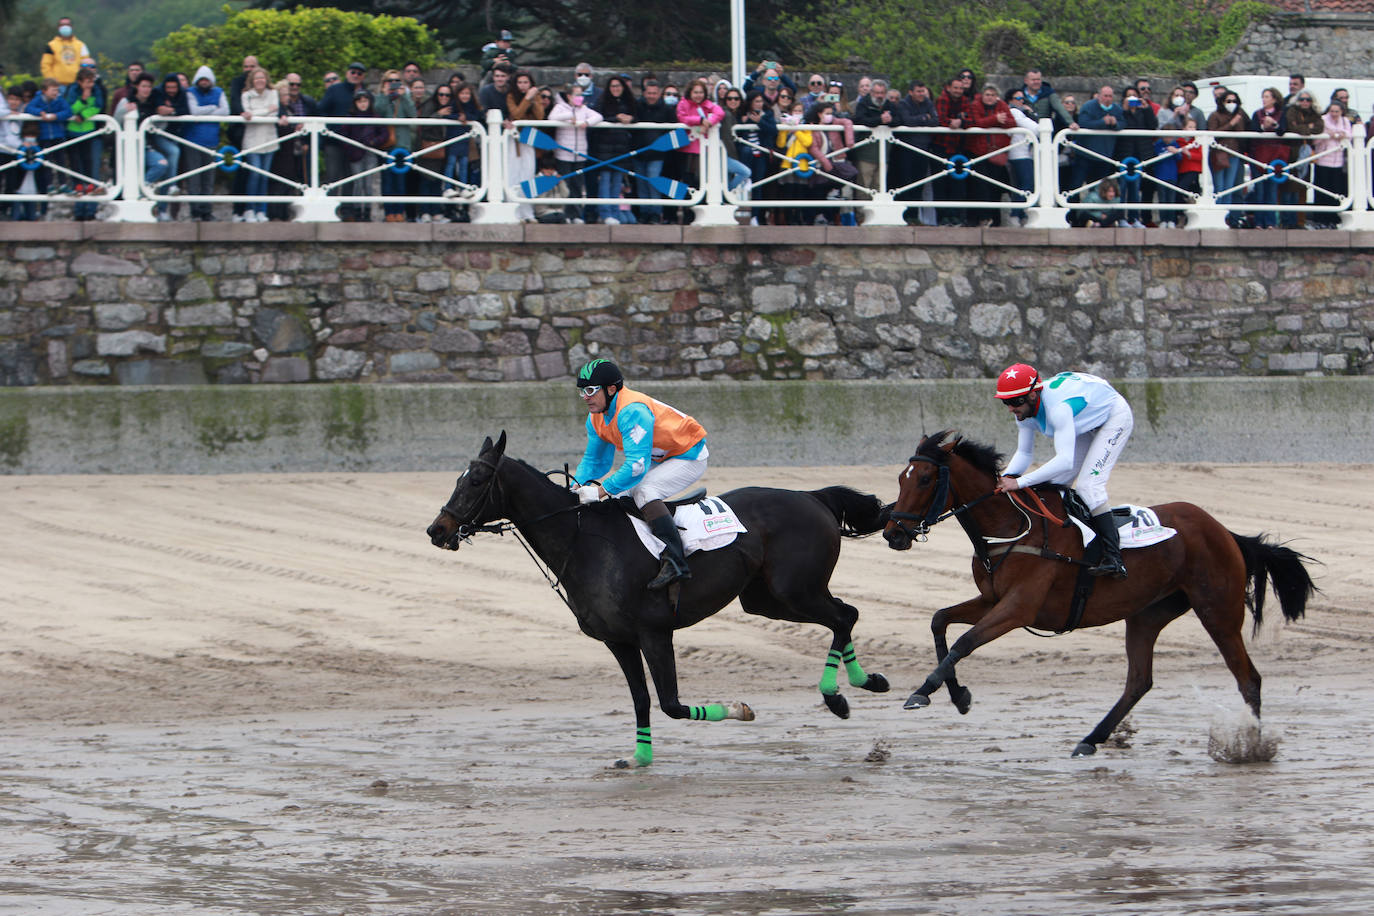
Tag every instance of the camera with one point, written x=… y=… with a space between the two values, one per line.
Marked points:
x=1133 y=102
x=830 y=97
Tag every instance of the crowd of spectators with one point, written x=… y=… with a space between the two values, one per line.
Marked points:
x=782 y=140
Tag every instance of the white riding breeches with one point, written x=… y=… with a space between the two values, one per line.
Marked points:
x=1095 y=454
x=669 y=478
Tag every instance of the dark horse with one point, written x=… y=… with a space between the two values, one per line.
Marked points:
x=780 y=569
x=1026 y=571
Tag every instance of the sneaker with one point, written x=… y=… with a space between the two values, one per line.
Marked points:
x=425 y=218
x=241 y=218
x=577 y=221
x=1136 y=224
x=753 y=220
x=172 y=191
x=821 y=221
x=163 y=216
x=611 y=221
x=441 y=219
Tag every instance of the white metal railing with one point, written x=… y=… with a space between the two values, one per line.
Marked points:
x=914 y=169
x=69 y=168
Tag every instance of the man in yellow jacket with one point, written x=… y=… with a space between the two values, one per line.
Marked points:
x=62 y=56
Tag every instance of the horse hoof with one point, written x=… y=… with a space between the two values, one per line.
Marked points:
x=1084 y=749
x=876 y=683
x=916 y=701
x=963 y=699
x=621 y=764
x=740 y=711
x=837 y=704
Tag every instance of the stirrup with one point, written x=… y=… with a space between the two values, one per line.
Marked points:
x=1115 y=570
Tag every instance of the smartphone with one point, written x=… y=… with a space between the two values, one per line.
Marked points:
x=830 y=97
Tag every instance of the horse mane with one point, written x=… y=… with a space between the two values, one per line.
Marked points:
x=984 y=458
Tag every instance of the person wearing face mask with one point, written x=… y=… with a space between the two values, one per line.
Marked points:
x=822 y=142
x=1176 y=109
x=617 y=106
x=571 y=109
x=585 y=79
x=62 y=55
x=699 y=112
x=1229 y=117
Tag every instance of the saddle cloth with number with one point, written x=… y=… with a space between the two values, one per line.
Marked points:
x=707 y=524
x=1138 y=526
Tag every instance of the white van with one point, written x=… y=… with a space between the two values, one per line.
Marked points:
x=1249 y=87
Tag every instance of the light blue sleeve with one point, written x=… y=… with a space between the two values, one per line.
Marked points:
x=597 y=459
x=636 y=425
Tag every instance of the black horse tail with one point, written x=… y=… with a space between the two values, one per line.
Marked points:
x=1285 y=567
x=856 y=513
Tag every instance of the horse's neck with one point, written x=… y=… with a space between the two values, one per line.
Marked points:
x=532 y=504
x=993 y=517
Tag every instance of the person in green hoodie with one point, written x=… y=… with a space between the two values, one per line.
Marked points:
x=86 y=99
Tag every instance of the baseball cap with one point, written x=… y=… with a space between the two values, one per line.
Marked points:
x=357 y=66
x=506 y=35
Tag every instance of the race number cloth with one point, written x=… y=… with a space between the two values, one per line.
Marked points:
x=705 y=525
x=1141 y=528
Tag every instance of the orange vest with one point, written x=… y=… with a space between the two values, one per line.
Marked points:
x=674 y=431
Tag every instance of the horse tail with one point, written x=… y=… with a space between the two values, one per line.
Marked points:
x=1267 y=560
x=856 y=513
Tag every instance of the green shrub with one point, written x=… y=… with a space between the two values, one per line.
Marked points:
x=305 y=41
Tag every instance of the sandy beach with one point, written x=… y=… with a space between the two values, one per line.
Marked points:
x=271 y=694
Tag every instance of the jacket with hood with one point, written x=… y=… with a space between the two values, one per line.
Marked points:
x=84 y=108
x=62 y=59
x=574 y=136
x=50 y=130
x=210 y=102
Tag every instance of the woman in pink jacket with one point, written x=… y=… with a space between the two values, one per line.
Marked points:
x=570 y=108
x=697 y=109
x=1329 y=173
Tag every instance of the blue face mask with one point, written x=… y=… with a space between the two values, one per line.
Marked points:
x=65 y=31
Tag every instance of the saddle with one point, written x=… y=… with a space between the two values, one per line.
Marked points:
x=632 y=510
x=704 y=522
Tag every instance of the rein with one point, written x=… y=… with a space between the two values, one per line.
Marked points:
x=933 y=516
x=465 y=531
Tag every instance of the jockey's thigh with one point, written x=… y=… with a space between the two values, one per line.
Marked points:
x=1108 y=442
x=668 y=478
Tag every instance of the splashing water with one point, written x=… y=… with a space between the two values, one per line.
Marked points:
x=1235 y=736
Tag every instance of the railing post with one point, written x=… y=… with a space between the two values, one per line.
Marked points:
x=132 y=207
x=881 y=209
x=496 y=208
x=1205 y=214
x=713 y=210
x=1046 y=214
x=1357 y=169
x=315 y=206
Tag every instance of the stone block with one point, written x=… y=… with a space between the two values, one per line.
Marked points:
x=91 y=262
x=774 y=298
x=874 y=299
x=428 y=281
x=127 y=343
x=1011 y=235
x=119 y=316
x=646 y=235
x=1081 y=238
x=1318 y=238
x=501 y=233
x=778 y=235
x=196 y=289
x=870 y=235
x=160 y=372
x=225 y=349
x=280 y=332
x=554 y=233
x=337 y=363
x=714 y=235
x=421 y=361
x=286 y=369
x=54 y=291
x=238 y=288
x=963 y=236
x=211 y=314
x=1172 y=238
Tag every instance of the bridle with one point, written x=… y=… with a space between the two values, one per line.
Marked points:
x=466 y=530
x=934 y=515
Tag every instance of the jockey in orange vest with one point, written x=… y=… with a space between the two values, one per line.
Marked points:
x=665 y=452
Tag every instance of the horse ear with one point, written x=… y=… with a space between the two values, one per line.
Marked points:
x=501 y=443
x=486 y=445
x=949 y=439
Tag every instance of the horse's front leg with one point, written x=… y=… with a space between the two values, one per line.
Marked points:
x=657 y=646
x=627 y=655
x=1005 y=616
x=969 y=612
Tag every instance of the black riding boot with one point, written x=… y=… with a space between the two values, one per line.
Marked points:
x=674 y=557
x=1110 y=564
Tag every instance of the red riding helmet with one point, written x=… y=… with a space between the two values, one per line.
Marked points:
x=1017 y=380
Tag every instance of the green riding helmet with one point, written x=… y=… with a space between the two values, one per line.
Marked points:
x=600 y=373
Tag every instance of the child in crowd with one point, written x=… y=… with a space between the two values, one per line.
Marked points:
x=33 y=181
x=1104 y=192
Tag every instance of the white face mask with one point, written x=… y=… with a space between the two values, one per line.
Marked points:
x=583 y=80
x=1230 y=106
x=791 y=119
x=1178 y=100
x=670 y=99
x=827 y=118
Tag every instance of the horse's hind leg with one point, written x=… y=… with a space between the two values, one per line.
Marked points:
x=1142 y=630
x=628 y=657
x=969 y=612
x=657 y=646
x=1225 y=629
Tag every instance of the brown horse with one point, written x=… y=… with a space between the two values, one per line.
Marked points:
x=1026 y=570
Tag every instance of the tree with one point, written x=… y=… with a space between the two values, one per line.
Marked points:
x=307 y=41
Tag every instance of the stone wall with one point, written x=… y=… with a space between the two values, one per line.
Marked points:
x=1317 y=44
x=851 y=304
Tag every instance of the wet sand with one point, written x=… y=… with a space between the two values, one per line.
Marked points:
x=270 y=694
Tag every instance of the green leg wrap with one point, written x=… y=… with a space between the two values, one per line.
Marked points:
x=711 y=712
x=857 y=677
x=829 y=685
x=644 y=747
